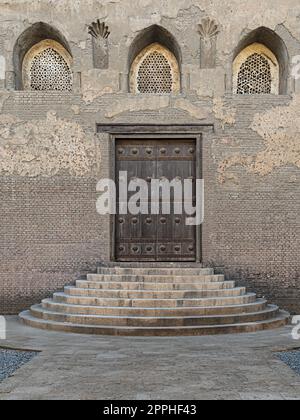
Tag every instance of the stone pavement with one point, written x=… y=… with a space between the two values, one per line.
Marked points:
x=94 y=367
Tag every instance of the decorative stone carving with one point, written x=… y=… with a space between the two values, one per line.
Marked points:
x=155 y=70
x=47 y=66
x=208 y=30
x=99 y=29
x=100 y=33
x=256 y=71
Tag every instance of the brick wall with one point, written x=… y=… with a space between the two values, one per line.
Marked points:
x=50 y=232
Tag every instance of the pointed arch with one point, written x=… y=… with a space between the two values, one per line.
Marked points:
x=34 y=35
x=47 y=67
x=256 y=71
x=266 y=52
x=155 y=70
x=155 y=46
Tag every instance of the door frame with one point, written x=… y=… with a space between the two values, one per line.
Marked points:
x=148 y=132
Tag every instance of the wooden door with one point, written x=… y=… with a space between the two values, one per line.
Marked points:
x=155 y=237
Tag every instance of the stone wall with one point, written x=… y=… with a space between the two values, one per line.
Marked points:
x=51 y=156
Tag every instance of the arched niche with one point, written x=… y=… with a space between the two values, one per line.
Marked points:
x=161 y=40
x=256 y=71
x=270 y=45
x=32 y=36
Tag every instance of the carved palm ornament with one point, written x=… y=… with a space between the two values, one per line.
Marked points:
x=100 y=34
x=99 y=29
x=208 y=30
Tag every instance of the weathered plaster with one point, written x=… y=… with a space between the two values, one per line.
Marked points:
x=2 y=67
x=76 y=109
x=223 y=113
x=279 y=128
x=45 y=147
x=3 y=98
x=137 y=103
x=208 y=82
x=96 y=83
x=192 y=109
x=127 y=17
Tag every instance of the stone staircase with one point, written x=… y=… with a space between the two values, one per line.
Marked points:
x=160 y=300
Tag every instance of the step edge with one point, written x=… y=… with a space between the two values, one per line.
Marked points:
x=281 y=317
x=154 y=291
x=257 y=302
x=270 y=309
x=62 y=294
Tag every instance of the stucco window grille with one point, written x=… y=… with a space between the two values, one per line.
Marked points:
x=256 y=71
x=47 y=67
x=255 y=76
x=155 y=71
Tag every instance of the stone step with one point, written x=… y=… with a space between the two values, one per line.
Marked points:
x=129 y=278
x=154 y=300
x=151 y=295
x=152 y=265
x=257 y=306
x=39 y=312
x=280 y=320
x=157 y=271
x=84 y=284
x=154 y=303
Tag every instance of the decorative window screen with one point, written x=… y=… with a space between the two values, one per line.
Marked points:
x=256 y=71
x=155 y=70
x=47 y=67
x=255 y=76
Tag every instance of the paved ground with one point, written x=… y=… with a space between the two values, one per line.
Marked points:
x=84 y=367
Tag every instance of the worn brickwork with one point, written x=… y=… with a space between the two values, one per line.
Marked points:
x=51 y=157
